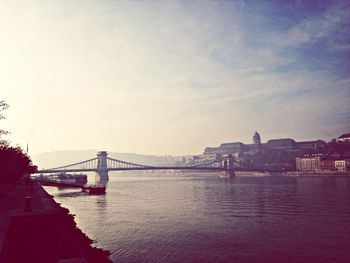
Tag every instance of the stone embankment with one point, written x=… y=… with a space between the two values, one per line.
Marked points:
x=45 y=233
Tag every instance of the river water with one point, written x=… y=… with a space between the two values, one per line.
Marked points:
x=177 y=218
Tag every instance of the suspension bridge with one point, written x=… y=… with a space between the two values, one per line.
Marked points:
x=102 y=164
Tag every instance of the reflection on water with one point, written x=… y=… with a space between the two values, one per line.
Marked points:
x=217 y=219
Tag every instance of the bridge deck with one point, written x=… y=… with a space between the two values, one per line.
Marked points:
x=138 y=169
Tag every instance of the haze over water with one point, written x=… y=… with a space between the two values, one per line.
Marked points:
x=174 y=218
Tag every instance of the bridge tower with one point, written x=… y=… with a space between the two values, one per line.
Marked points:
x=231 y=160
x=102 y=168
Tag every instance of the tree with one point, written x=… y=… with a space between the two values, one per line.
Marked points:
x=13 y=161
x=3 y=106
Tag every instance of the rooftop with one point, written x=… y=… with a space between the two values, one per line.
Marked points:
x=281 y=140
x=231 y=144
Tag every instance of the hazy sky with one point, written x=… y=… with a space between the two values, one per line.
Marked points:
x=172 y=77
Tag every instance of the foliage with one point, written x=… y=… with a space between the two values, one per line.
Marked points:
x=3 y=106
x=13 y=161
x=334 y=147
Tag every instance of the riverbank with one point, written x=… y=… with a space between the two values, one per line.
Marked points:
x=250 y=173
x=295 y=174
x=47 y=233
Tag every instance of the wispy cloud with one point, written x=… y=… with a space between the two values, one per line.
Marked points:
x=313 y=28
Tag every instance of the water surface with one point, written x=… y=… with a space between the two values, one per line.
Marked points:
x=167 y=218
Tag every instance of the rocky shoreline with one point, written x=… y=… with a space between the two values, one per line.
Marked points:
x=79 y=244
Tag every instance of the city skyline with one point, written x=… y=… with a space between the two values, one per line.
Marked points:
x=172 y=77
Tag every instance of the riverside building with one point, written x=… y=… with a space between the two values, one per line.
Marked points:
x=315 y=163
x=320 y=163
x=344 y=138
x=342 y=165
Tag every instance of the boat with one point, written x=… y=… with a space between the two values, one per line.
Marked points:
x=66 y=178
x=95 y=189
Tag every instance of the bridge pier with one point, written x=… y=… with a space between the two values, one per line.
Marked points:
x=231 y=161
x=228 y=164
x=102 y=168
x=101 y=177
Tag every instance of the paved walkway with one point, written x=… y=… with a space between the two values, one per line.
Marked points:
x=12 y=203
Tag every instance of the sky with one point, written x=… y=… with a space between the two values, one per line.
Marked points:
x=172 y=77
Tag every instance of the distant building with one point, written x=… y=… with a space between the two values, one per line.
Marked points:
x=310 y=145
x=281 y=144
x=287 y=145
x=275 y=154
x=342 y=165
x=234 y=147
x=308 y=163
x=251 y=149
x=213 y=150
x=204 y=158
x=319 y=163
x=225 y=148
x=344 y=138
x=327 y=165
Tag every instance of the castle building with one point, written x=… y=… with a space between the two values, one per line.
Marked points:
x=281 y=144
x=286 y=154
x=286 y=145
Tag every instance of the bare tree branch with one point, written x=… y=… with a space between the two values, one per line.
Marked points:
x=3 y=106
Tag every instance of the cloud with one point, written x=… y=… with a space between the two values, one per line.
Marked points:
x=321 y=27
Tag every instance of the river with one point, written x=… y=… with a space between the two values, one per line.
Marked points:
x=177 y=218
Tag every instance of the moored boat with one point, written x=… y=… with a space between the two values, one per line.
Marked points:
x=96 y=189
x=64 y=178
